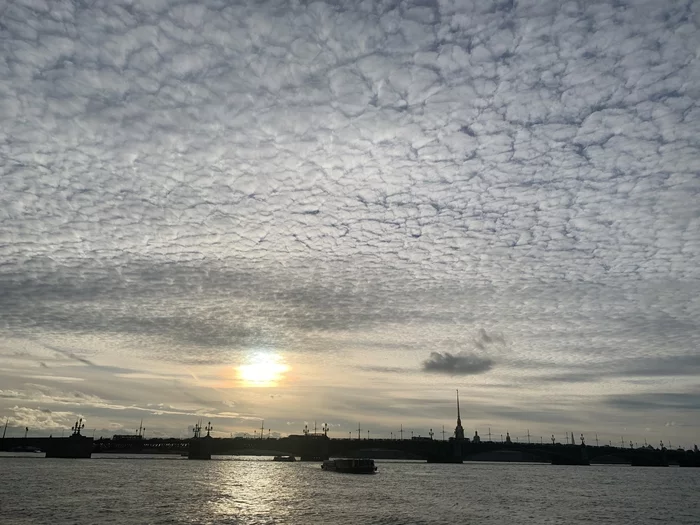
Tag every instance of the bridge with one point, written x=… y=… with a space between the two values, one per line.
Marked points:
x=315 y=446
x=320 y=446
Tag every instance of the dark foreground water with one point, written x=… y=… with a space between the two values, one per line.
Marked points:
x=144 y=490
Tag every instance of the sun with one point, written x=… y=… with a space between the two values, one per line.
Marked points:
x=262 y=370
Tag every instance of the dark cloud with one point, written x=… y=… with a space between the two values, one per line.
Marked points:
x=457 y=364
x=674 y=365
x=657 y=401
x=626 y=369
x=466 y=363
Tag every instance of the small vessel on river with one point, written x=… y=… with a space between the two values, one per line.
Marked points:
x=287 y=459
x=350 y=466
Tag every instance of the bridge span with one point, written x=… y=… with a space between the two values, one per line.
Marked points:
x=320 y=446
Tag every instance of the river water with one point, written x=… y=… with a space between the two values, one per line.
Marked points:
x=234 y=490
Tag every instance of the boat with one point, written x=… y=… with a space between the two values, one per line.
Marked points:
x=350 y=466
x=288 y=459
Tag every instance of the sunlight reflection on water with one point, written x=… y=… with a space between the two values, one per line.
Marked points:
x=253 y=490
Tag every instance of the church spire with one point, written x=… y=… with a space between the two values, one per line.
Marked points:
x=459 y=430
x=459 y=419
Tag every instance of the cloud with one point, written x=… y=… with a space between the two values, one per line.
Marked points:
x=457 y=364
x=350 y=187
x=41 y=419
x=657 y=401
x=36 y=395
x=385 y=369
x=627 y=370
x=467 y=363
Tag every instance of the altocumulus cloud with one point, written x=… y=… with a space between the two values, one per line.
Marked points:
x=184 y=181
x=457 y=364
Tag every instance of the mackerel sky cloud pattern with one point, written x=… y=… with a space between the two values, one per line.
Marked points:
x=353 y=185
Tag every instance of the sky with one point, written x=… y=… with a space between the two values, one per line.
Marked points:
x=270 y=214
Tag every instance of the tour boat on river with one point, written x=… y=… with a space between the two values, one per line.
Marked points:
x=350 y=466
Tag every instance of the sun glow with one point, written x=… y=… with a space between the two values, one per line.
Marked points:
x=262 y=370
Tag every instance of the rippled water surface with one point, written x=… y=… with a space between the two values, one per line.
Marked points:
x=140 y=490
